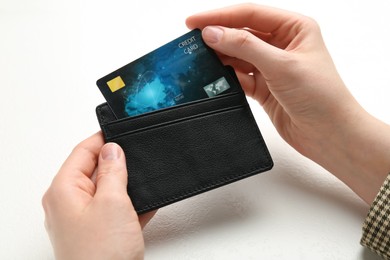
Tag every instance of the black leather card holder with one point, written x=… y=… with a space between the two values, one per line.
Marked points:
x=175 y=153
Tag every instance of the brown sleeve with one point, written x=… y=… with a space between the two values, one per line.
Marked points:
x=376 y=228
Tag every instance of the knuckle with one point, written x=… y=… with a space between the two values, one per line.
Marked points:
x=53 y=197
x=310 y=23
x=114 y=199
x=107 y=172
x=44 y=201
x=243 y=39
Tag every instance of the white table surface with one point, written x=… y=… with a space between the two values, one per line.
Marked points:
x=51 y=54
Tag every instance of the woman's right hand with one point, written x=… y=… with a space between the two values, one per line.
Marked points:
x=282 y=61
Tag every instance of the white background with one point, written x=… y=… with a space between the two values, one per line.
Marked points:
x=51 y=54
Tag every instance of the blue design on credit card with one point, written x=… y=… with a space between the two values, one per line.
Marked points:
x=181 y=71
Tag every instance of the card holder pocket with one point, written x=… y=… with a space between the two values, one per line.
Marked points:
x=176 y=153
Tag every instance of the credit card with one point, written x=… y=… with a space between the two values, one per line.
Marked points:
x=181 y=71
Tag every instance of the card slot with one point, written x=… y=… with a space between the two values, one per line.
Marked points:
x=113 y=127
x=111 y=136
x=175 y=161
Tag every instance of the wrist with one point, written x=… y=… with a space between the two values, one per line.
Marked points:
x=356 y=151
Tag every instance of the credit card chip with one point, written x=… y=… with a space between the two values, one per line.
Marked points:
x=116 y=84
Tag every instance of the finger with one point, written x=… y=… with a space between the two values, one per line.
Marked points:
x=145 y=218
x=267 y=37
x=273 y=39
x=243 y=45
x=237 y=64
x=72 y=180
x=83 y=159
x=111 y=175
x=254 y=86
x=247 y=82
x=258 y=17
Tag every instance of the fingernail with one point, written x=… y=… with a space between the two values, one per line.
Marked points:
x=110 y=151
x=212 y=34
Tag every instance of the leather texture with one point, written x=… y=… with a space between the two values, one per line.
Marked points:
x=176 y=153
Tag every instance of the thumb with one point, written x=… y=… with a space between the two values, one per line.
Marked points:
x=242 y=45
x=111 y=175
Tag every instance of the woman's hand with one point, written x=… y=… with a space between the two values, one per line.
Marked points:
x=93 y=219
x=281 y=61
